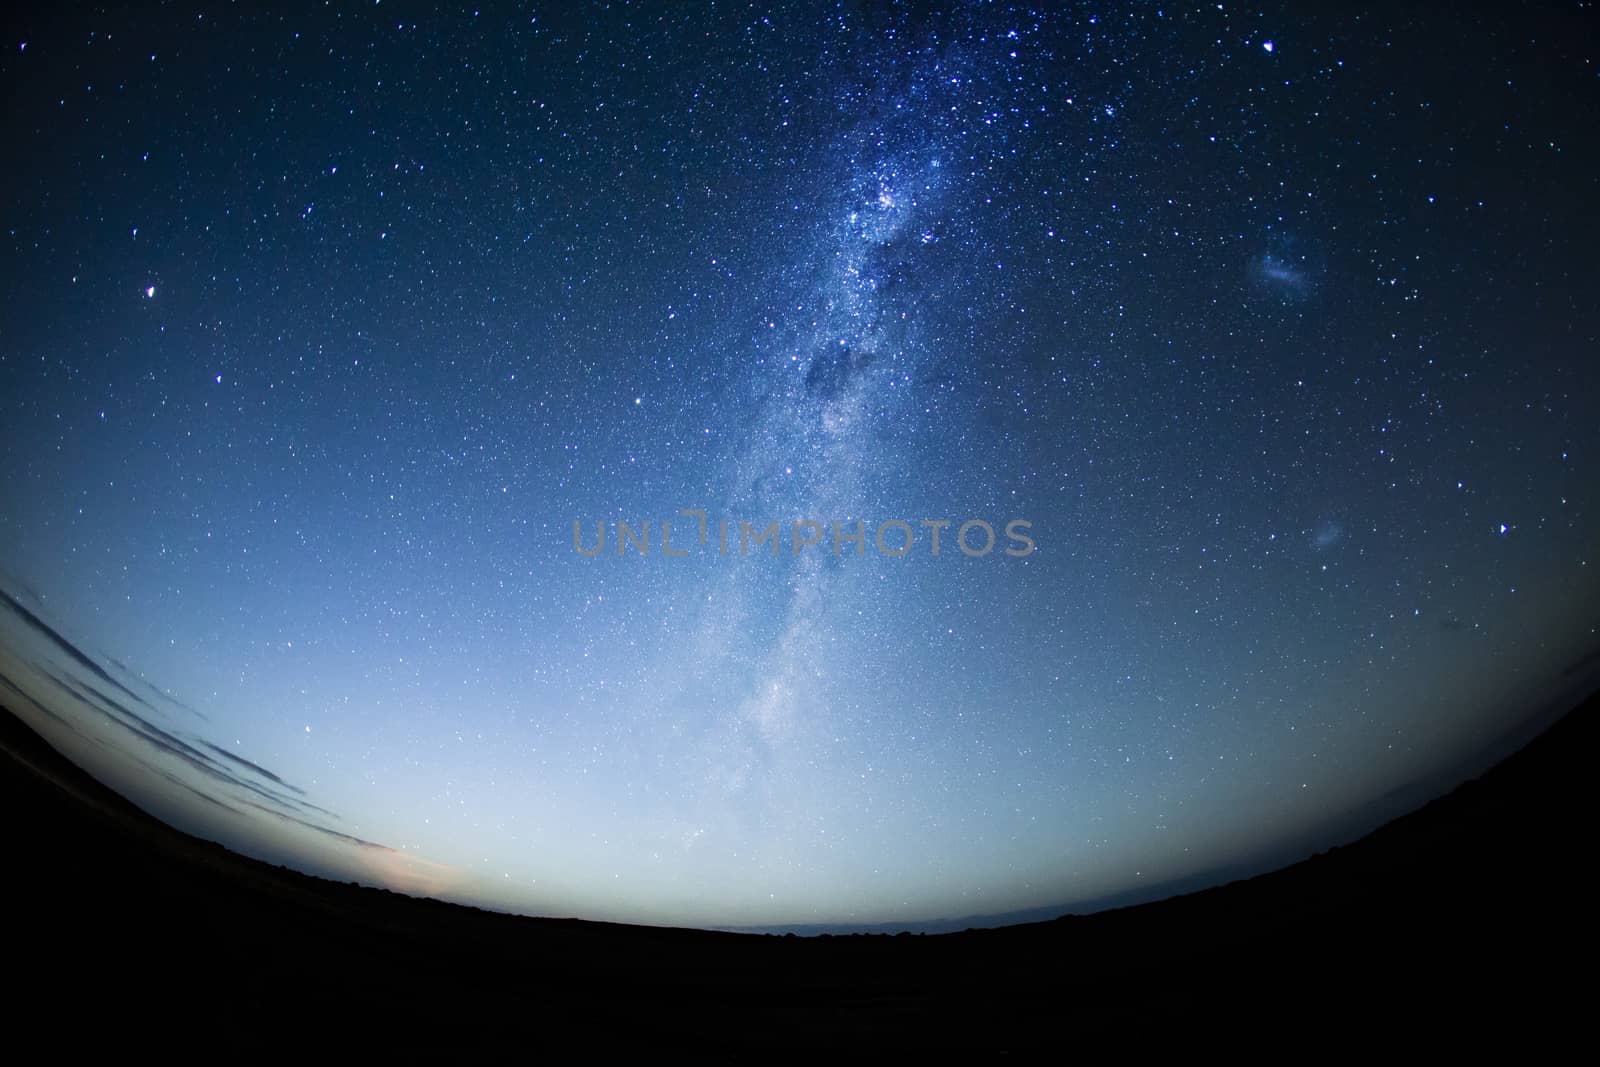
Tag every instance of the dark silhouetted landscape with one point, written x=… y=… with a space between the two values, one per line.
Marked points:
x=1465 y=921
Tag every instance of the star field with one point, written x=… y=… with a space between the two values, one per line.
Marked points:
x=320 y=332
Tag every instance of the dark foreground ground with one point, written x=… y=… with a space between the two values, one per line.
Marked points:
x=1465 y=924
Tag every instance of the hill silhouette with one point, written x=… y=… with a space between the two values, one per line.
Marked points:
x=1466 y=921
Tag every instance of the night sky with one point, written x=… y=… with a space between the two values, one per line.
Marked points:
x=320 y=332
